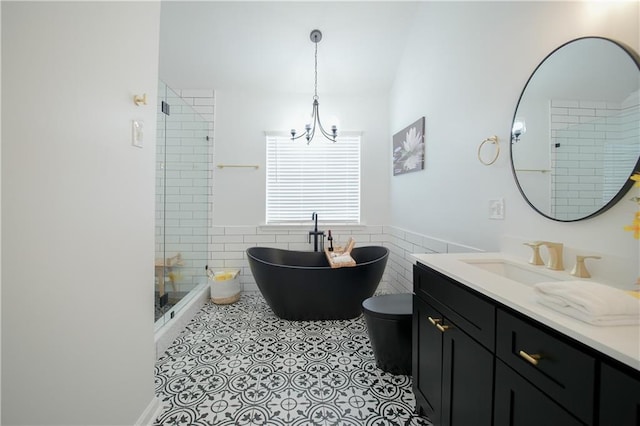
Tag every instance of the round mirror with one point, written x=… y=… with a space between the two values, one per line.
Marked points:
x=575 y=135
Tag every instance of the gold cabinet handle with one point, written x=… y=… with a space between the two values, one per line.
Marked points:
x=436 y=322
x=532 y=359
x=442 y=328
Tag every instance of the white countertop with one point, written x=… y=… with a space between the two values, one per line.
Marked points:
x=619 y=342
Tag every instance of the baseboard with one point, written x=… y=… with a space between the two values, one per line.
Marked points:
x=151 y=413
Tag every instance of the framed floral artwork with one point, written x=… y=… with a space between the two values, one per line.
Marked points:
x=408 y=148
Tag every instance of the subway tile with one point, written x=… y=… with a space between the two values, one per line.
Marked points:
x=271 y=230
x=177 y=231
x=395 y=250
x=230 y=255
x=240 y=230
x=564 y=119
x=179 y=198
x=259 y=238
x=192 y=125
x=200 y=249
x=299 y=238
x=405 y=245
x=592 y=104
x=236 y=263
x=413 y=238
x=583 y=111
x=216 y=263
x=399 y=266
x=237 y=246
x=250 y=288
x=198 y=190
x=179 y=248
x=375 y=229
x=396 y=232
x=227 y=238
x=300 y=246
x=565 y=103
x=213 y=247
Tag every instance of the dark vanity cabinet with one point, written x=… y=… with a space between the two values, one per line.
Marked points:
x=477 y=362
x=452 y=360
x=619 y=396
x=541 y=379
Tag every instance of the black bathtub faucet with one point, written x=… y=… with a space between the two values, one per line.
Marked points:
x=316 y=234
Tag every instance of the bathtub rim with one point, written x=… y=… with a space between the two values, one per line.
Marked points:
x=386 y=254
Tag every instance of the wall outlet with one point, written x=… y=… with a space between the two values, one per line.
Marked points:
x=496 y=209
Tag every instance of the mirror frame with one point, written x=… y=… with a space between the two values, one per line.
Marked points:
x=627 y=185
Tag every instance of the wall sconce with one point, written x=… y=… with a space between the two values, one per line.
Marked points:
x=519 y=128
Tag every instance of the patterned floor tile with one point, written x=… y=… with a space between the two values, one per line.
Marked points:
x=241 y=365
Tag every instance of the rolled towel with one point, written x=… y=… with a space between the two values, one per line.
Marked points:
x=342 y=259
x=338 y=259
x=591 y=302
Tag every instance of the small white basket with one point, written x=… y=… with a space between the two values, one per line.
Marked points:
x=225 y=287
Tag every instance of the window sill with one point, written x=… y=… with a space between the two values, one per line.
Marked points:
x=309 y=225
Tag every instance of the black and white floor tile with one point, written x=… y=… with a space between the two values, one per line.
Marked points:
x=241 y=365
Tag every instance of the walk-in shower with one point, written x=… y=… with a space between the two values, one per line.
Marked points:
x=183 y=174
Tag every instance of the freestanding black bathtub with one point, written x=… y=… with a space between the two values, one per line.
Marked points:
x=301 y=285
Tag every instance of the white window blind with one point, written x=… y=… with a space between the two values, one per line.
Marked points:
x=322 y=177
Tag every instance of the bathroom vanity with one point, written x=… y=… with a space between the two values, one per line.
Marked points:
x=486 y=353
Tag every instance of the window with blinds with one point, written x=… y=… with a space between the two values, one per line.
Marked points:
x=322 y=177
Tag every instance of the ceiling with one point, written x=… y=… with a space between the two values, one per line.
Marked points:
x=265 y=45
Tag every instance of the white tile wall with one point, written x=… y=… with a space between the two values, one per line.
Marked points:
x=184 y=197
x=593 y=138
x=229 y=243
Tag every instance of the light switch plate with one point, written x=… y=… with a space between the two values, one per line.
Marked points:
x=137 y=133
x=496 y=209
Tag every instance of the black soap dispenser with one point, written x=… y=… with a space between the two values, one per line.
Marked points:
x=330 y=238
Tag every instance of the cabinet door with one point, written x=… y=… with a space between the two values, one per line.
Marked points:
x=467 y=380
x=427 y=360
x=519 y=403
x=563 y=371
x=619 y=398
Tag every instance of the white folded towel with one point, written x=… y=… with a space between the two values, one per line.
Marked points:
x=591 y=302
x=343 y=258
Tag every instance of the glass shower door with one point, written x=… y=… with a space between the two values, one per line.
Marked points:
x=182 y=218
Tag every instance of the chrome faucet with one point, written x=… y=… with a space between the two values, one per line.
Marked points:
x=316 y=234
x=555 y=255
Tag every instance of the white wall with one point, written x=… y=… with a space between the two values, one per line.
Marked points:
x=464 y=69
x=241 y=120
x=77 y=212
x=0 y=214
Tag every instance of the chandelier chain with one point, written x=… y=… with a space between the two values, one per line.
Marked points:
x=316 y=71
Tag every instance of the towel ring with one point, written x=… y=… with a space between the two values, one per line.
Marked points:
x=493 y=140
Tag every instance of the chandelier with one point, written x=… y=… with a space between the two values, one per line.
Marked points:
x=309 y=129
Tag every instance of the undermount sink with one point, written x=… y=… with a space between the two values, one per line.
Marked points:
x=523 y=274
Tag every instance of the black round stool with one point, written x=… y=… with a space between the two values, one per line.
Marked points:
x=388 y=319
